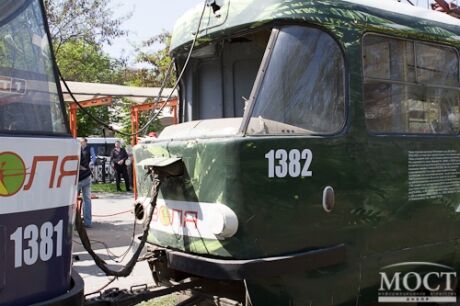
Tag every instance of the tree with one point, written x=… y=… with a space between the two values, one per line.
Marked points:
x=89 y=20
x=155 y=53
x=78 y=28
x=86 y=62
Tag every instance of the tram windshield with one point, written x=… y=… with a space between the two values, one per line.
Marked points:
x=301 y=88
x=220 y=76
x=29 y=98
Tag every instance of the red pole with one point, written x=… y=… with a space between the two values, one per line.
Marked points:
x=73 y=119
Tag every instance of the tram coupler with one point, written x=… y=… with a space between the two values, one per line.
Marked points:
x=233 y=291
x=161 y=273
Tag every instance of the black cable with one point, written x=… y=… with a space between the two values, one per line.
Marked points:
x=112 y=256
x=131 y=244
x=106 y=125
x=156 y=182
x=102 y=123
x=157 y=99
x=155 y=115
x=189 y=56
x=127 y=269
x=102 y=288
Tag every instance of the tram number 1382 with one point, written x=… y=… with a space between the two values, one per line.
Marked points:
x=292 y=163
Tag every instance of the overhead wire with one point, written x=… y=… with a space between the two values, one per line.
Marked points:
x=163 y=85
x=156 y=182
x=179 y=78
x=154 y=114
x=86 y=112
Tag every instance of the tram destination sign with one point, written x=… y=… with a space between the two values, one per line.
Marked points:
x=12 y=85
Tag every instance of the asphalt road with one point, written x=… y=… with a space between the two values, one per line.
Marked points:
x=110 y=235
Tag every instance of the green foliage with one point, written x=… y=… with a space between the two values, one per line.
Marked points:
x=89 y=20
x=85 y=62
x=155 y=126
x=169 y=300
x=125 y=120
x=155 y=54
x=87 y=126
x=101 y=187
x=78 y=28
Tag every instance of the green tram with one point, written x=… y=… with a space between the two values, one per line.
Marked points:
x=319 y=151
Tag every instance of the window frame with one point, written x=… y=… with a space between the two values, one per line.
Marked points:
x=263 y=71
x=364 y=81
x=56 y=74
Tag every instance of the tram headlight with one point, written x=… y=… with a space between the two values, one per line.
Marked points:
x=224 y=222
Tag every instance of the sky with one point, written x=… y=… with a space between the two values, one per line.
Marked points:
x=149 y=18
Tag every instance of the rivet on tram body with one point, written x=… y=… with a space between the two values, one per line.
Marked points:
x=328 y=199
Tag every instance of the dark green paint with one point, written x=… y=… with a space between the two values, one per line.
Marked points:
x=331 y=14
x=369 y=174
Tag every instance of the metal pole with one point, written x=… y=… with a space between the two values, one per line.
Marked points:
x=103 y=170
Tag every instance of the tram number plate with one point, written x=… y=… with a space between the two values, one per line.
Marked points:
x=34 y=243
x=289 y=163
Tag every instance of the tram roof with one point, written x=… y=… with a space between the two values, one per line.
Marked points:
x=356 y=15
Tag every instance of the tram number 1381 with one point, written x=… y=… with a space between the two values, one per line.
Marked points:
x=293 y=163
x=34 y=242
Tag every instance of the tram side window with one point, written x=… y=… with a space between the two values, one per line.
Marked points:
x=303 y=88
x=29 y=100
x=410 y=87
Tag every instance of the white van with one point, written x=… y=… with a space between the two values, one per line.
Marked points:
x=102 y=146
x=101 y=149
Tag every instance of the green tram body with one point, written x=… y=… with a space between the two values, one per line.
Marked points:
x=389 y=148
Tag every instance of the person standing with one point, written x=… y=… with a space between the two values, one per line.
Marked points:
x=84 y=181
x=119 y=157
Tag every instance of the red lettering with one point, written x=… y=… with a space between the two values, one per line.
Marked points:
x=191 y=217
x=64 y=172
x=36 y=160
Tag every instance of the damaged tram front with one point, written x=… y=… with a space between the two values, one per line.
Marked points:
x=318 y=146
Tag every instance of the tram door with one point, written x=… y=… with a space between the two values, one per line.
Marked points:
x=298 y=122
